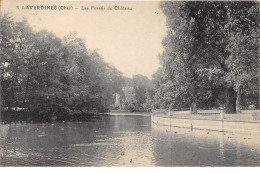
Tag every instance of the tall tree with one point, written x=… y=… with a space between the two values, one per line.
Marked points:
x=242 y=31
x=50 y=77
x=199 y=47
x=141 y=85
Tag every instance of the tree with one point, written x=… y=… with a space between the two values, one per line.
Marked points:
x=130 y=102
x=181 y=58
x=52 y=77
x=95 y=82
x=242 y=28
x=47 y=78
x=16 y=50
x=201 y=44
x=141 y=86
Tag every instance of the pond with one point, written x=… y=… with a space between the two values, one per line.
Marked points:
x=123 y=140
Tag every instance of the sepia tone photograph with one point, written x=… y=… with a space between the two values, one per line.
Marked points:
x=129 y=83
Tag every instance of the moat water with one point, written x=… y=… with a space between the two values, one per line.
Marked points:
x=124 y=140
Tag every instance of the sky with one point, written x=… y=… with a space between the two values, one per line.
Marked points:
x=130 y=40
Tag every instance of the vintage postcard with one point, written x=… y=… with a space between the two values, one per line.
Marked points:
x=129 y=83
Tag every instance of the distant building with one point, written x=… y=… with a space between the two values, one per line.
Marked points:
x=118 y=101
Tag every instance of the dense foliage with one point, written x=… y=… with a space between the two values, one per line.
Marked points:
x=136 y=95
x=51 y=77
x=210 y=58
x=211 y=55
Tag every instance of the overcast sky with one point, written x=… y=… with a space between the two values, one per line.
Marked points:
x=128 y=39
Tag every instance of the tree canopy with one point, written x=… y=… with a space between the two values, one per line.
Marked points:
x=49 y=76
x=210 y=54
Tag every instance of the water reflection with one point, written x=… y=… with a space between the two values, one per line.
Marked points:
x=110 y=141
x=123 y=141
x=186 y=147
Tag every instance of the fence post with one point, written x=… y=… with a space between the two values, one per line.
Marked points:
x=222 y=115
x=170 y=123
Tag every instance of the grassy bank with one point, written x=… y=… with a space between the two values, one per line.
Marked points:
x=246 y=115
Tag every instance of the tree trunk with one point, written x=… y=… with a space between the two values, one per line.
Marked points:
x=238 y=101
x=259 y=90
x=193 y=108
x=258 y=73
x=1 y=98
x=179 y=107
x=230 y=101
x=257 y=103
